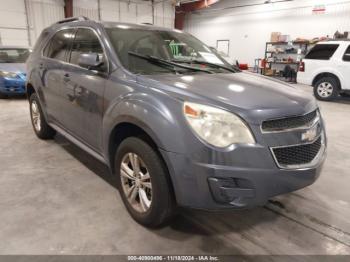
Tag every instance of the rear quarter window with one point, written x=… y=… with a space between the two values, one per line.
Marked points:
x=322 y=52
x=346 y=56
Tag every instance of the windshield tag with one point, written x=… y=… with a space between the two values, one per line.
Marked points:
x=211 y=58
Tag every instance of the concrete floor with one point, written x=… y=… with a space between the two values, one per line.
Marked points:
x=56 y=199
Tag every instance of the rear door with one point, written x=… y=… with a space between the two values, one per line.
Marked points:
x=51 y=67
x=319 y=58
x=84 y=90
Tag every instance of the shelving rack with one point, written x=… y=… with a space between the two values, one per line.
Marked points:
x=303 y=45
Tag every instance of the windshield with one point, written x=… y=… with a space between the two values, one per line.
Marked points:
x=14 y=55
x=171 y=46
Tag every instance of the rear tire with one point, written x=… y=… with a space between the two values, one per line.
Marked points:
x=40 y=126
x=144 y=183
x=326 y=89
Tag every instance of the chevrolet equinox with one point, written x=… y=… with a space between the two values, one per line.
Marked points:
x=172 y=119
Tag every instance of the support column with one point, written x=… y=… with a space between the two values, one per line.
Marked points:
x=68 y=8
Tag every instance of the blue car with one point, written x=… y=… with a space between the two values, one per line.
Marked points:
x=12 y=70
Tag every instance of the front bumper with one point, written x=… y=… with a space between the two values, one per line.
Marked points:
x=215 y=187
x=244 y=177
x=12 y=86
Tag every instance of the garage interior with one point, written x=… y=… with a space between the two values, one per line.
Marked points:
x=56 y=199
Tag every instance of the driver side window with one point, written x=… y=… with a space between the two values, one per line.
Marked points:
x=85 y=41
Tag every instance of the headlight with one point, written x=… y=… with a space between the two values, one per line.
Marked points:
x=217 y=127
x=8 y=74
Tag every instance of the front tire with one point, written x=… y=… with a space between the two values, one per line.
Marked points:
x=143 y=182
x=326 y=89
x=2 y=96
x=40 y=126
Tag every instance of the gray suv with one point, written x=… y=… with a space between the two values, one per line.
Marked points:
x=172 y=119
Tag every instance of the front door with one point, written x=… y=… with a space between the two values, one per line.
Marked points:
x=84 y=90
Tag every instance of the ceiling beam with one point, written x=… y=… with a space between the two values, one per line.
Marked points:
x=182 y=9
x=197 y=5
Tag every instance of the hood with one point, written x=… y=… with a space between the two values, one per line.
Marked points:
x=13 y=67
x=253 y=96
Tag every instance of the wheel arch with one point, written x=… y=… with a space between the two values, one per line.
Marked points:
x=127 y=127
x=29 y=90
x=130 y=127
x=327 y=74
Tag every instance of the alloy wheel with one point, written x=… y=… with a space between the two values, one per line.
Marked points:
x=136 y=182
x=36 y=117
x=325 y=89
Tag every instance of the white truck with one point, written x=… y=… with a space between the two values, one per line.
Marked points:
x=327 y=68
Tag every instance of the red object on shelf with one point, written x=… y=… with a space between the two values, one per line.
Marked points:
x=243 y=66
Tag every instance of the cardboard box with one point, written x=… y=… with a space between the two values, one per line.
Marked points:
x=275 y=36
x=284 y=38
x=270 y=72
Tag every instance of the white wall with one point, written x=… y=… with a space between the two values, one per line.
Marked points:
x=86 y=8
x=13 y=26
x=13 y=19
x=43 y=13
x=129 y=11
x=164 y=13
x=248 y=28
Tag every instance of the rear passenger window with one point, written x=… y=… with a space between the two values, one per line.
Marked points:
x=322 y=52
x=346 y=56
x=59 y=44
x=85 y=41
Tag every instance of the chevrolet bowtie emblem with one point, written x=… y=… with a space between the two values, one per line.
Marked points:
x=310 y=134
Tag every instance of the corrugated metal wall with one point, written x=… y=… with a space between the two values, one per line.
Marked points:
x=129 y=11
x=42 y=13
x=13 y=27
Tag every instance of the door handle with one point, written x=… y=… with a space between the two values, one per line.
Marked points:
x=66 y=77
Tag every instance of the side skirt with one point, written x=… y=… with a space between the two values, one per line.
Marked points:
x=79 y=144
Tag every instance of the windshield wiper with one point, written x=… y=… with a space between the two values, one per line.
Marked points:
x=206 y=63
x=167 y=62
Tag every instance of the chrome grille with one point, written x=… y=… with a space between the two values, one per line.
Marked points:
x=281 y=124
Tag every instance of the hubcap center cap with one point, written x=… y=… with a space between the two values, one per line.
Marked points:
x=138 y=182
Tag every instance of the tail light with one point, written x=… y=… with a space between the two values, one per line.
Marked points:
x=302 y=67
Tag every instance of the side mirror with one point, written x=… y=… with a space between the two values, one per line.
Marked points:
x=90 y=60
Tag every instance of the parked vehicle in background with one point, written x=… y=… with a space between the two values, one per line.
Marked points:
x=327 y=68
x=12 y=70
x=174 y=121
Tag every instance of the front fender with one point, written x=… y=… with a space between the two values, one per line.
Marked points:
x=160 y=118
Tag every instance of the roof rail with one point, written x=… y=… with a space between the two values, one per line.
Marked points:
x=72 y=19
